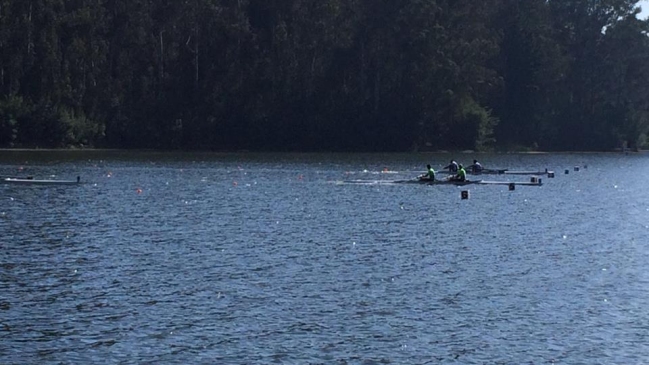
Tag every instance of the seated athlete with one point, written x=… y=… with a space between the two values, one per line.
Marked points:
x=452 y=167
x=476 y=168
x=461 y=174
x=429 y=175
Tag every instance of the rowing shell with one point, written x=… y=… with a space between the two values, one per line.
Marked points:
x=469 y=171
x=468 y=182
x=509 y=183
x=526 y=172
x=411 y=181
x=17 y=181
x=437 y=182
x=440 y=182
x=498 y=172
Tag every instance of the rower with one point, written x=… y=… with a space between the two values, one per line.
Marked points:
x=476 y=168
x=461 y=174
x=429 y=175
x=452 y=167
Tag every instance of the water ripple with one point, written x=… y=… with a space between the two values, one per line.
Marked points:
x=239 y=260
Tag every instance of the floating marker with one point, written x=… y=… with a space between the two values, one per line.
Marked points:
x=512 y=186
x=576 y=168
x=464 y=194
x=551 y=174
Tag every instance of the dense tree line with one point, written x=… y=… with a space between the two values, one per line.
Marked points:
x=391 y=75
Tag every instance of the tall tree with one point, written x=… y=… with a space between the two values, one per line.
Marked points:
x=582 y=28
x=533 y=65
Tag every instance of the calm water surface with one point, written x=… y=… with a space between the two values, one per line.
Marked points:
x=270 y=259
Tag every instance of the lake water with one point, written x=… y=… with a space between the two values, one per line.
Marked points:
x=269 y=259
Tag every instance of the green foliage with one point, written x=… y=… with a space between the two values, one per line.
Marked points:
x=79 y=129
x=642 y=142
x=474 y=126
x=325 y=75
x=11 y=110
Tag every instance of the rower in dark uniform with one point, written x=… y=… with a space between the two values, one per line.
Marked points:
x=452 y=167
x=476 y=168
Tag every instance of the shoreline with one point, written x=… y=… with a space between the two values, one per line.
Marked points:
x=466 y=152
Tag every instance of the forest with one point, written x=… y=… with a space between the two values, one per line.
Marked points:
x=327 y=75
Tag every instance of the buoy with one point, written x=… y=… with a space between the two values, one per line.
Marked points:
x=551 y=174
x=567 y=172
x=539 y=181
x=512 y=186
x=464 y=194
x=576 y=168
x=138 y=190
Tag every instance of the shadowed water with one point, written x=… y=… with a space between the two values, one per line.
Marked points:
x=272 y=259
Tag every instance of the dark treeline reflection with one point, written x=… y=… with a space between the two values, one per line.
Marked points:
x=390 y=75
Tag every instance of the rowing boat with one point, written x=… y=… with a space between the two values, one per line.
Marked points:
x=469 y=182
x=526 y=172
x=510 y=183
x=436 y=182
x=22 y=181
x=411 y=181
x=471 y=172
x=498 y=172
x=486 y=172
x=442 y=182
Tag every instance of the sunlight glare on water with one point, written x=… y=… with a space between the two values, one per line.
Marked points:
x=256 y=259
